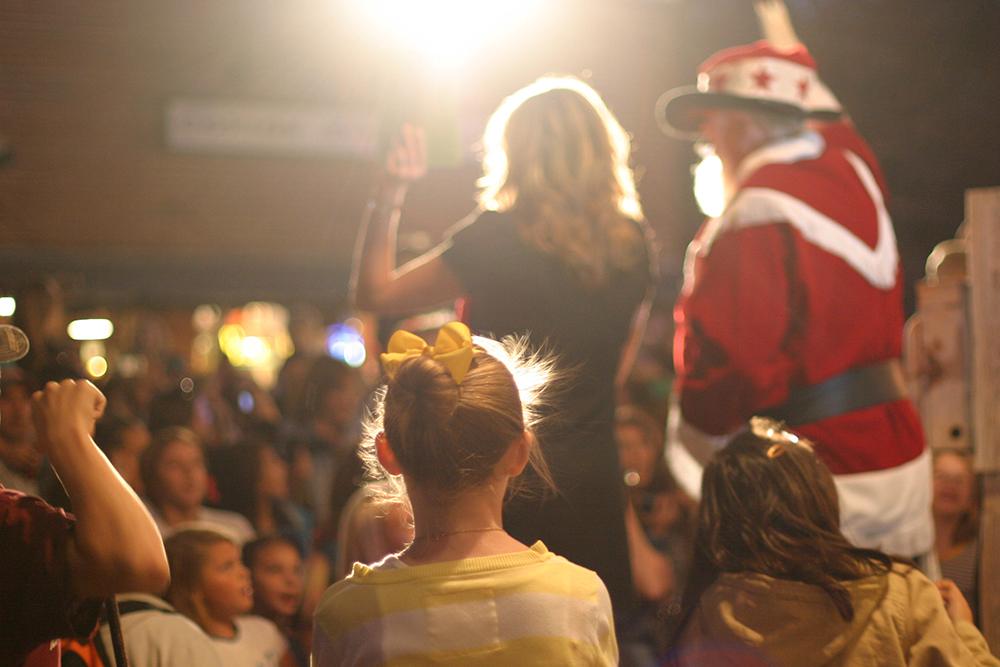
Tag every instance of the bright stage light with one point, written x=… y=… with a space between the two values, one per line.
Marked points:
x=7 y=306
x=446 y=31
x=97 y=329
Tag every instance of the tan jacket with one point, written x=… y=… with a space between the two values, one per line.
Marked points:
x=899 y=620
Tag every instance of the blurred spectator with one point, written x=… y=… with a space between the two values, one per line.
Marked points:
x=278 y=578
x=373 y=525
x=173 y=407
x=210 y=585
x=348 y=479
x=20 y=458
x=40 y=313
x=328 y=427
x=129 y=397
x=306 y=330
x=55 y=569
x=252 y=479
x=250 y=408
x=123 y=441
x=660 y=522
x=666 y=513
x=956 y=521
x=176 y=480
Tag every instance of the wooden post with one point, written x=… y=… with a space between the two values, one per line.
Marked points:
x=982 y=215
x=936 y=350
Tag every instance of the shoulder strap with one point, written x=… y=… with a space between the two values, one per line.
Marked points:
x=129 y=606
x=102 y=651
x=125 y=607
x=117 y=641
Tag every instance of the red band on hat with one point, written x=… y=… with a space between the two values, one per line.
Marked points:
x=761 y=49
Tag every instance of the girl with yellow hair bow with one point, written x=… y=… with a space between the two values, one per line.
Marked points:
x=451 y=424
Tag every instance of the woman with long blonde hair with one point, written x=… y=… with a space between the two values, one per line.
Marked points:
x=557 y=251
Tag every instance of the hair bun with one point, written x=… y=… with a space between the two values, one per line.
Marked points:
x=426 y=388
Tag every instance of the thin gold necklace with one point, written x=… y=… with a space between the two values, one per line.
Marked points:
x=438 y=536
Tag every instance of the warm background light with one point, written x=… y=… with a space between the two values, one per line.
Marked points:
x=96 y=329
x=445 y=31
x=254 y=337
x=97 y=367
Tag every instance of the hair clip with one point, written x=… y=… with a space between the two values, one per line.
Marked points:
x=766 y=428
x=453 y=349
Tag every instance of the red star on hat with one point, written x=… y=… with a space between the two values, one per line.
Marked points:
x=803 y=88
x=763 y=79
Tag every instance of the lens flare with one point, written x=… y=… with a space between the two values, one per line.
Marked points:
x=97 y=367
x=447 y=32
x=345 y=343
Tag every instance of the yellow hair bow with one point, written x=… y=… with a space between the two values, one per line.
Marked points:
x=453 y=349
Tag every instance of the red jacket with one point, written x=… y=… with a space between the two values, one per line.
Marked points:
x=797 y=282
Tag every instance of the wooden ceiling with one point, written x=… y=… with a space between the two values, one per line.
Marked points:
x=91 y=191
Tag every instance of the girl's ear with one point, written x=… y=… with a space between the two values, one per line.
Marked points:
x=516 y=458
x=385 y=455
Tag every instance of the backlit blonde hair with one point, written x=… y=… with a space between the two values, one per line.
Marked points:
x=557 y=159
x=449 y=437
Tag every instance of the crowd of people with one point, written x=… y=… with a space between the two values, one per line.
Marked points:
x=499 y=502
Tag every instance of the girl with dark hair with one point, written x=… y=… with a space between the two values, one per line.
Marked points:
x=773 y=572
x=278 y=578
x=453 y=426
x=558 y=250
x=252 y=479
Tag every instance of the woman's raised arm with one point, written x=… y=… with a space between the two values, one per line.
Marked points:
x=377 y=285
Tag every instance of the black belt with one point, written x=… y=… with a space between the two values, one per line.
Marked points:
x=855 y=389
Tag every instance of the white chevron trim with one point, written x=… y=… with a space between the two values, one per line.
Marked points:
x=760 y=206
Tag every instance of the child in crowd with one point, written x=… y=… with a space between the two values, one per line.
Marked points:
x=666 y=513
x=210 y=585
x=277 y=575
x=772 y=573
x=371 y=528
x=956 y=521
x=176 y=479
x=252 y=480
x=451 y=422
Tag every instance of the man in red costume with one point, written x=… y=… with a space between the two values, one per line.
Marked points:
x=792 y=298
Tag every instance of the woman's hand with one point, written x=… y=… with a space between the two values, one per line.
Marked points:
x=407 y=159
x=954 y=602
